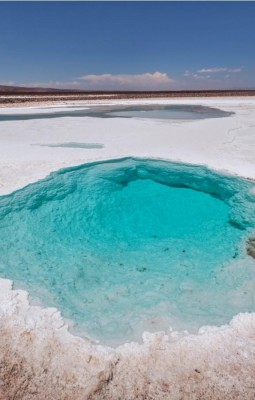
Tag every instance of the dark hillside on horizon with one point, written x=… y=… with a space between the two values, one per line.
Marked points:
x=18 y=94
x=12 y=90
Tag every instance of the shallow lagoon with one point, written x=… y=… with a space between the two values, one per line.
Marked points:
x=131 y=245
x=168 y=112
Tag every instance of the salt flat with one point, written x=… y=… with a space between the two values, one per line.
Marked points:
x=225 y=144
x=38 y=354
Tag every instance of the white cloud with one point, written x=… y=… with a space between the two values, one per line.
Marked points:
x=215 y=77
x=218 y=69
x=211 y=70
x=7 y=83
x=187 y=73
x=195 y=75
x=146 y=81
x=156 y=80
x=54 y=84
x=234 y=70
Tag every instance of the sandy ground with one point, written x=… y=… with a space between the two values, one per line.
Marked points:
x=39 y=358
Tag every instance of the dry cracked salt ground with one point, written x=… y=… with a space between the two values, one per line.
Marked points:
x=39 y=358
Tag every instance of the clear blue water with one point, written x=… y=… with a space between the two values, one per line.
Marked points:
x=131 y=245
x=172 y=112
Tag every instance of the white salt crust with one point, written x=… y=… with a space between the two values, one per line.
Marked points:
x=39 y=358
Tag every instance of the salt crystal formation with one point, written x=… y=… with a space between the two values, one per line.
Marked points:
x=39 y=359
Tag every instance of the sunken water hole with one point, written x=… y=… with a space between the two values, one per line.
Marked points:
x=130 y=245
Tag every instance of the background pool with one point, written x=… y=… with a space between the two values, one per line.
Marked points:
x=171 y=112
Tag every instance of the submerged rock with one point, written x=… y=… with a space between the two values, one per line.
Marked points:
x=251 y=247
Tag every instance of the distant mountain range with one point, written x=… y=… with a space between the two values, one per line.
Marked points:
x=4 y=89
x=33 y=91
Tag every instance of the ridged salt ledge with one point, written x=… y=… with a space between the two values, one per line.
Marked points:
x=40 y=359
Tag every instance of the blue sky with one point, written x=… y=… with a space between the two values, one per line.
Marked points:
x=128 y=45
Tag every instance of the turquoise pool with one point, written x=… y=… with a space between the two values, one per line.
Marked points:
x=130 y=245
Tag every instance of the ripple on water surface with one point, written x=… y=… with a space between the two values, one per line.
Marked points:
x=131 y=245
